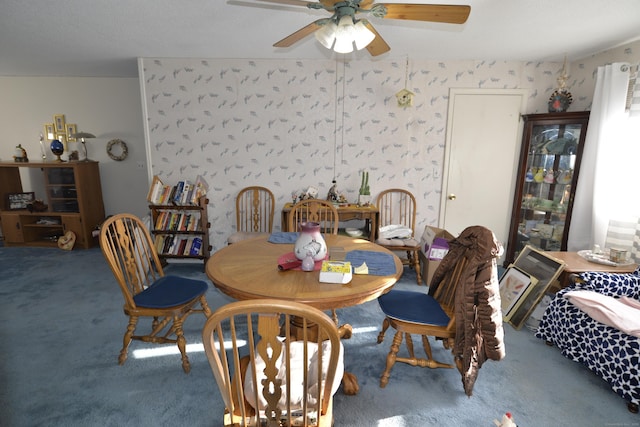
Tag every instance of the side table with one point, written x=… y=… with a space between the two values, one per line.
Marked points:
x=345 y=213
x=574 y=264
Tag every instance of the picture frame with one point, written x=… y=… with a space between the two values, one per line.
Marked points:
x=58 y=122
x=49 y=131
x=20 y=201
x=72 y=129
x=515 y=284
x=546 y=270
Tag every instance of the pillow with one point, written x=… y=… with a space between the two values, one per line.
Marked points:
x=297 y=368
x=608 y=310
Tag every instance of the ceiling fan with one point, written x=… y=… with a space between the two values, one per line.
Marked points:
x=343 y=29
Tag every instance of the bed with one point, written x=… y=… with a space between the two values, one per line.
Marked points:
x=606 y=350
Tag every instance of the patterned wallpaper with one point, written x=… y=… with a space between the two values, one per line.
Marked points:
x=292 y=124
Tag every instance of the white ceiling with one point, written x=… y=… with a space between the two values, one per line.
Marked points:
x=104 y=38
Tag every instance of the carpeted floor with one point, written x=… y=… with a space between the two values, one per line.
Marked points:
x=61 y=327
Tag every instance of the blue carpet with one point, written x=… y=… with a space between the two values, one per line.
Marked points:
x=61 y=327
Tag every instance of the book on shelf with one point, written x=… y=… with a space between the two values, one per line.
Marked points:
x=200 y=189
x=184 y=193
x=196 y=246
x=179 y=245
x=155 y=190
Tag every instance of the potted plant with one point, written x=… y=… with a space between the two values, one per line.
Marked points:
x=364 y=196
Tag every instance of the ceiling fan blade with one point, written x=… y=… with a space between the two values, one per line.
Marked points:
x=289 y=2
x=298 y=35
x=378 y=46
x=364 y=4
x=450 y=14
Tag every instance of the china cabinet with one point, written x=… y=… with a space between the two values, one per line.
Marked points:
x=548 y=169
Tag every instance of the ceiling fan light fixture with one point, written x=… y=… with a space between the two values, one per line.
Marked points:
x=345 y=35
x=363 y=35
x=343 y=45
x=326 y=35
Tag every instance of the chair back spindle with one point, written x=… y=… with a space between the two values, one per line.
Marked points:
x=315 y=210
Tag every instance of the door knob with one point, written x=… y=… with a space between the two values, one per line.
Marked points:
x=452 y=196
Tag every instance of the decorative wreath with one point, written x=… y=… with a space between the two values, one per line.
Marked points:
x=121 y=147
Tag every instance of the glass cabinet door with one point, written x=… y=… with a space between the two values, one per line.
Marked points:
x=61 y=189
x=548 y=173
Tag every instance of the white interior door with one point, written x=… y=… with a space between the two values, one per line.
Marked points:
x=481 y=156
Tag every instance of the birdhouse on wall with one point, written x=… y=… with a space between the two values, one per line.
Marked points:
x=405 y=98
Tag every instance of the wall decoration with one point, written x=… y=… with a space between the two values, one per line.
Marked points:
x=545 y=269
x=58 y=122
x=49 y=131
x=72 y=129
x=514 y=285
x=117 y=149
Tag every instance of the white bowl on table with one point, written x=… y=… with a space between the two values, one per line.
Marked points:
x=353 y=232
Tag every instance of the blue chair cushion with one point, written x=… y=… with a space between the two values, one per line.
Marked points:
x=414 y=307
x=169 y=291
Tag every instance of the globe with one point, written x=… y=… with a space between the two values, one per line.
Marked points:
x=57 y=148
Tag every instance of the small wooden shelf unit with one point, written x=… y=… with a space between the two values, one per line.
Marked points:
x=176 y=227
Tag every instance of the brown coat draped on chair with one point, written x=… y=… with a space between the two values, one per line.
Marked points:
x=479 y=332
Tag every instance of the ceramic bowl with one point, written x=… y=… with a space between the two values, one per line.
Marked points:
x=353 y=232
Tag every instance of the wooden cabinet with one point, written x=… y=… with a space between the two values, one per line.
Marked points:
x=548 y=171
x=73 y=194
x=181 y=231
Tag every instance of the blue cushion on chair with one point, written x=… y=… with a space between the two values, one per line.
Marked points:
x=415 y=307
x=169 y=291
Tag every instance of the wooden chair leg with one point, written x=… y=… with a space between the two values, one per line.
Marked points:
x=427 y=347
x=409 y=342
x=205 y=306
x=128 y=335
x=391 y=359
x=416 y=267
x=385 y=325
x=182 y=343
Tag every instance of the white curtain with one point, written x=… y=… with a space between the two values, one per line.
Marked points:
x=609 y=172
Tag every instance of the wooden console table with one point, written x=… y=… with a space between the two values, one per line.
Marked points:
x=575 y=264
x=346 y=213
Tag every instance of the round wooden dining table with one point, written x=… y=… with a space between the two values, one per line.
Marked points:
x=249 y=270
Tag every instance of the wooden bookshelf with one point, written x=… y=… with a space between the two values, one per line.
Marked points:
x=181 y=231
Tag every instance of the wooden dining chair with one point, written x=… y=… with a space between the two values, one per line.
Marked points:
x=254 y=213
x=315 y=210
x=290 y=350
x=397 y=207
x=411 y=312
x=147 y=291
x=461 y=309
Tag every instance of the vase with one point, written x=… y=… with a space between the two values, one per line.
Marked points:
x=310 y=241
